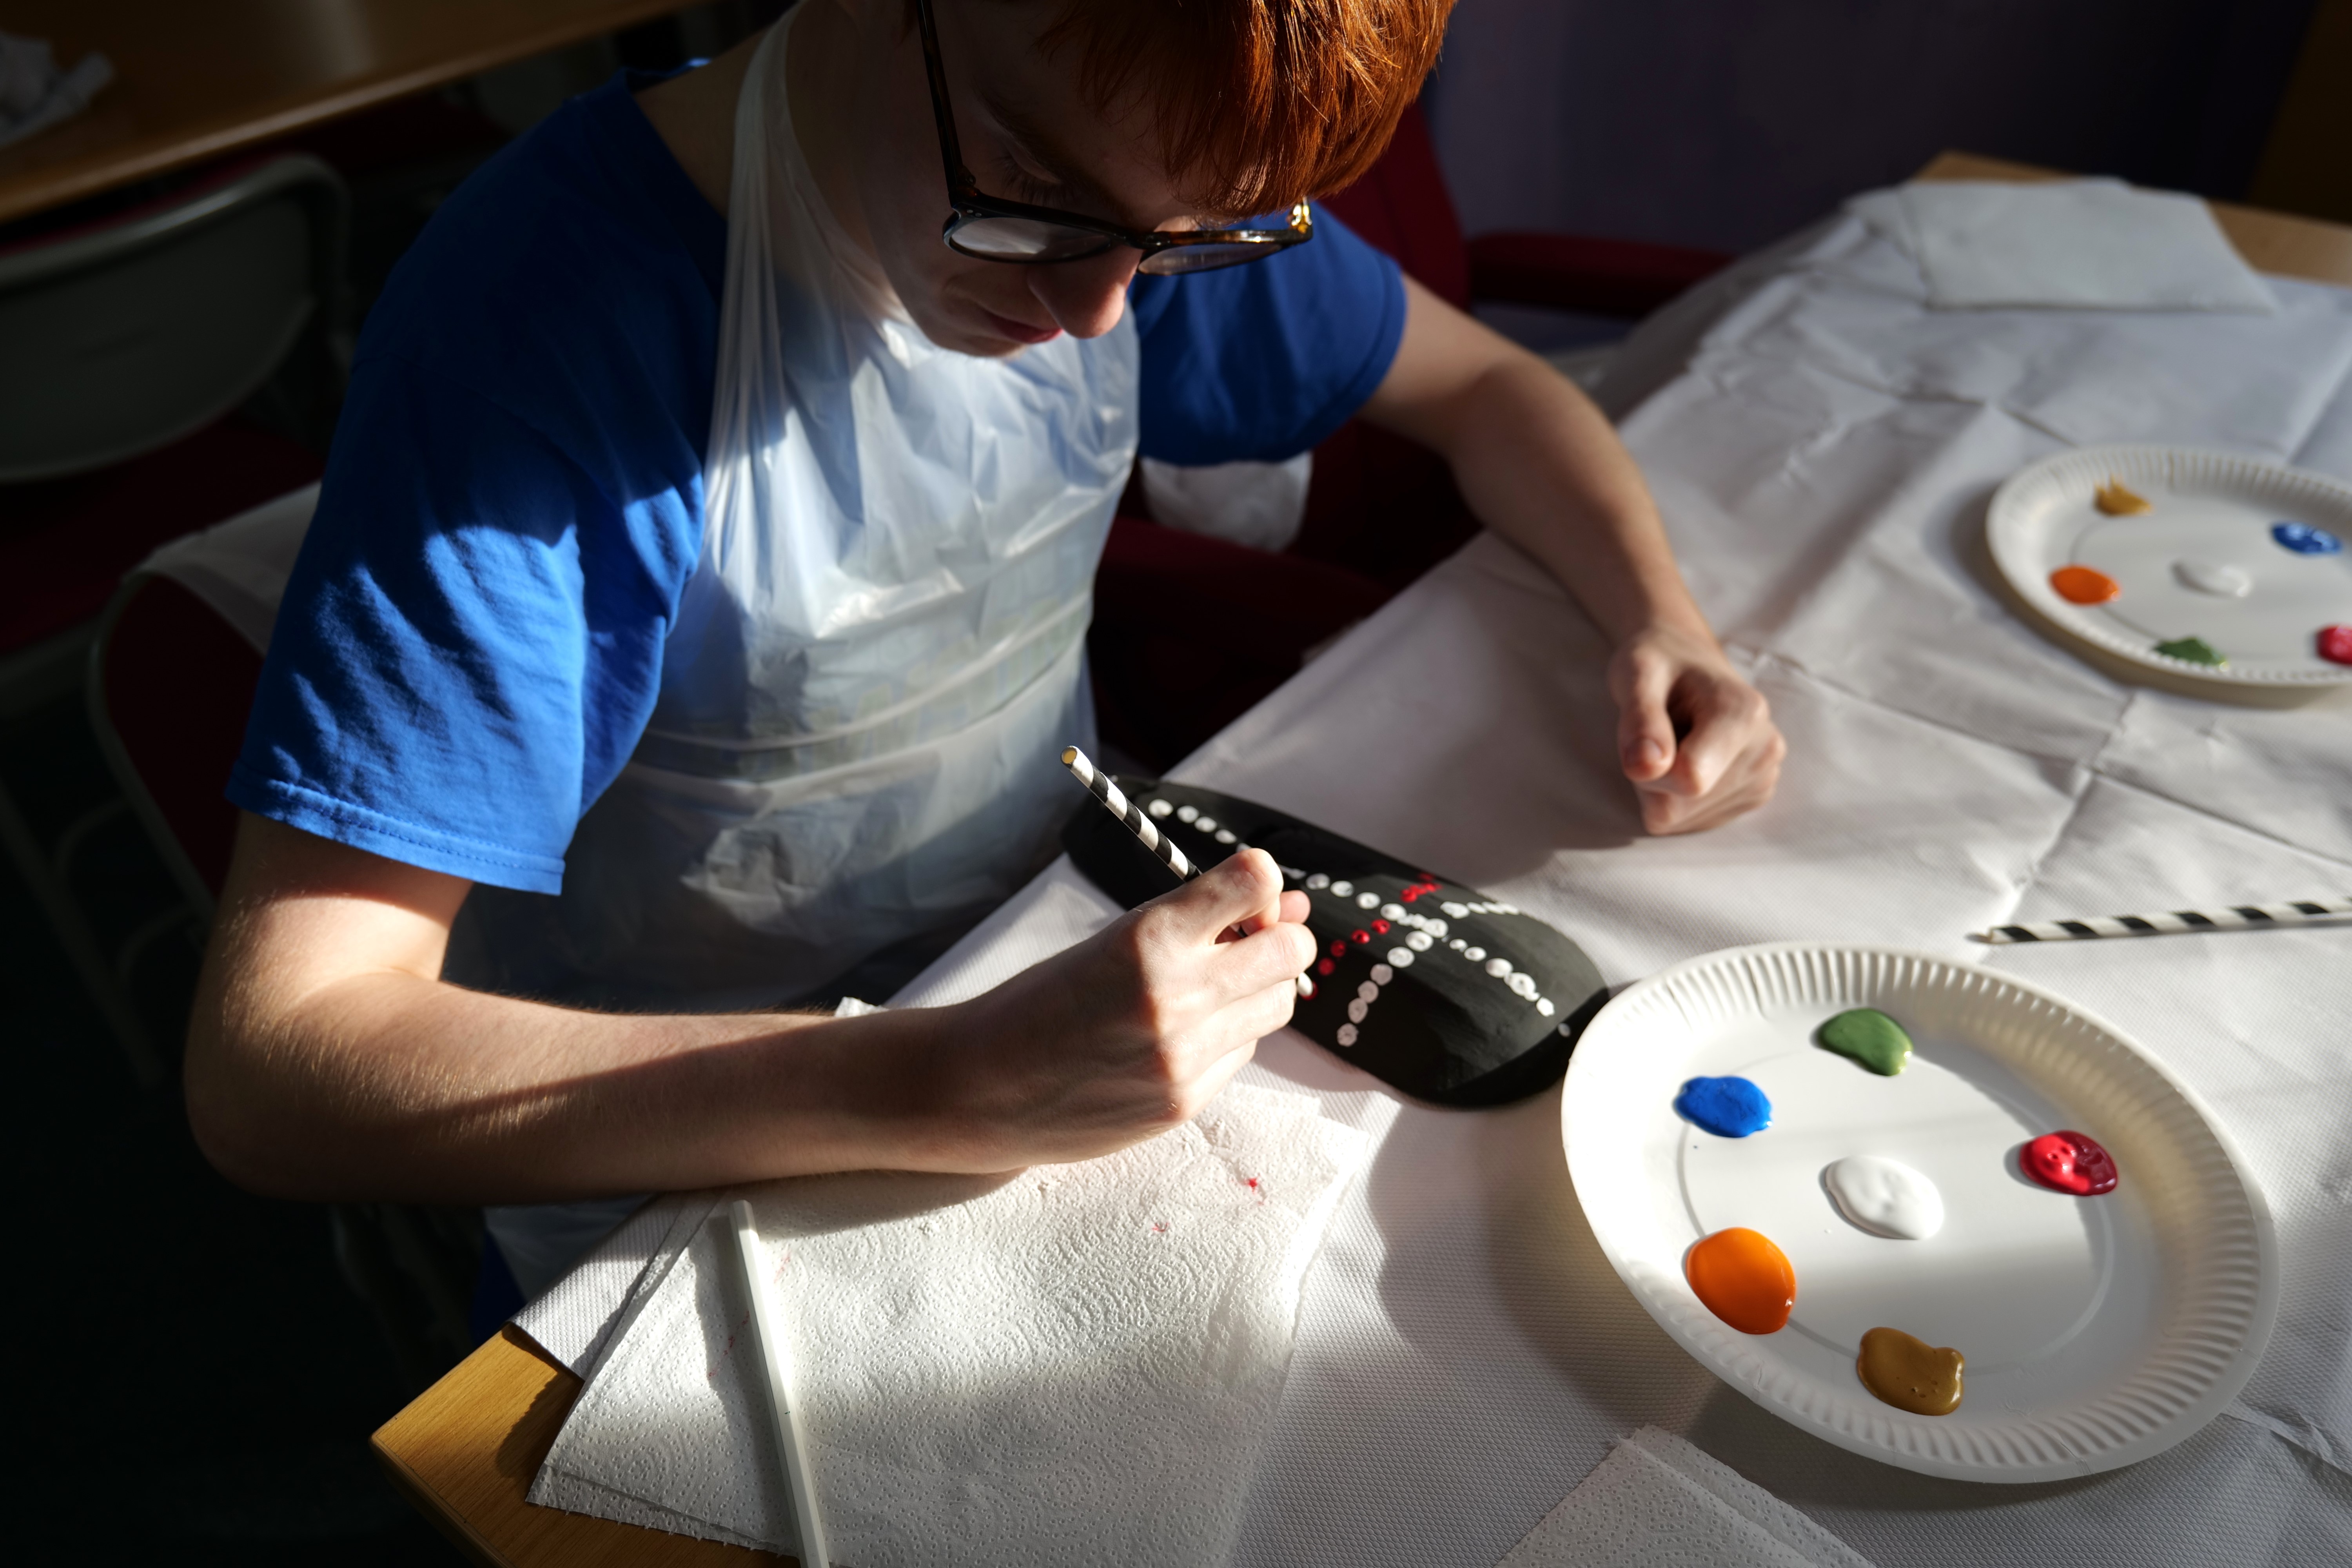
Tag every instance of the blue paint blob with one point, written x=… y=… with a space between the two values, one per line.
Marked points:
x=2305 y=540
x=1726 y=1107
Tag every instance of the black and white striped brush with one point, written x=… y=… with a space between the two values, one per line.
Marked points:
x=2241 y=917
x=1099 y=785
x=1138 y=822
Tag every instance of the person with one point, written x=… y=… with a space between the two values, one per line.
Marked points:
x=694 y=607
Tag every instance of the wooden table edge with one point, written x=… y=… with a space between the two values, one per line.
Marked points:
x=40 y=187
x=465 y=1452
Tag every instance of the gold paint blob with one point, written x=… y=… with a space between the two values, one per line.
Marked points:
x=1910 y=1374
x=2116 y=502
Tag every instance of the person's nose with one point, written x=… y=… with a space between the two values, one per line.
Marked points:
x=1085 y=298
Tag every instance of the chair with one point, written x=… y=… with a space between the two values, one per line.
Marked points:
x=1191 y=631
x=125 y=345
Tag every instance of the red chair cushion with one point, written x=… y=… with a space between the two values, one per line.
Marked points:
x=1573 y=272
x=1401 y=206
x=66 y=543
x=1190 y=632
x=178 y=684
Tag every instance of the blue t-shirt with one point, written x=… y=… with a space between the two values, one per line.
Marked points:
x=472 y=642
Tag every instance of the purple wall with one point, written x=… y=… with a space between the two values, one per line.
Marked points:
x=1728 y=122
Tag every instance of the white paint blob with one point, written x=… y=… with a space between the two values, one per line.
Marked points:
x=2222 y=582
x=1886 y=1197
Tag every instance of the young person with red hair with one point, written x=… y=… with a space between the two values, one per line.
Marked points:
x=695 y=605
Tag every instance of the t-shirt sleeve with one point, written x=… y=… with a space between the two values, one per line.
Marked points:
x=1262 y=362
x=469 y=648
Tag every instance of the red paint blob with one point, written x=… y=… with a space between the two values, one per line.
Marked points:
x=1252 y=1181
x=1410 y=894
x=2335 y=644
x=2084 y=585
x=1326 y=967
x=1381 y=926
x=1339 y=949
x=1360 y=936
x=1741 y=1277
x=2069 y=1162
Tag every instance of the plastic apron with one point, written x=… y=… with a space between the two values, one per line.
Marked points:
x=854 y=751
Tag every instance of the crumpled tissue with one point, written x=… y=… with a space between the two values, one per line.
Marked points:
x=35 y=94
x=1075 y=1364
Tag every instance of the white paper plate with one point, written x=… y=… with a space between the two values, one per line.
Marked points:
x=2098 y=1331
x=2213 y=508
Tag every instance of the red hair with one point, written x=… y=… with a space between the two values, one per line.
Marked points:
x=1258 y=102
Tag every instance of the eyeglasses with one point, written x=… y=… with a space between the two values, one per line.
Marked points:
x=988 y=228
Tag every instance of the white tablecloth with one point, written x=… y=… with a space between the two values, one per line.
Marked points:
x=1824 y=448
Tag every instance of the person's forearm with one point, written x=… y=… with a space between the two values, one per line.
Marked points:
x=391 y=1086
x=1540 y=465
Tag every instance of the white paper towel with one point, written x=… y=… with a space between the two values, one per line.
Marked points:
x=1658 y=1502
x=1075 y=1364
x=2084 y=245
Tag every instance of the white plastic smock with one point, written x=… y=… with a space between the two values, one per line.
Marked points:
x=881 y=653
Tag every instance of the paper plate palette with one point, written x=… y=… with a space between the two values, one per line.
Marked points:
x=2098 y=1331
x=2262 y=605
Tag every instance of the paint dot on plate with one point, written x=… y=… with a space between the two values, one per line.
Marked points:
x=2305 y=540
x=1355 y=1009
x=1347 y=1035
x=1474 y=954
x=1870 y=1037
x=1523 y=985
x=2334 y=644
x=1741 y=1277
x=1160 y=808
x=1886 y=1197
x=2070 y=1162
x=1326 y=967
x=1318 y=881
x=1343 y=889
x=2114 y=500
x=1401 y=957
x=1381 y=927
x=1728 y=1107
x=1383 y=974
x=1225 y=835
x=2193 y=650
x=1498 y=967
x=1368 y=991
x=1186 y=813
x=1543 y=1006
x=1910 y=1374
x=2084 y=585
x=2222 y=582
x=1420 y=942
x=1205 y=824
x=1454 y=912
x=1434 y=926
x=1456 y=944
x=1368 y=901
x=1392 y=911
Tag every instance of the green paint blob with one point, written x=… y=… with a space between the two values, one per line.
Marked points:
x=1870 y=1037
x=2196 y=650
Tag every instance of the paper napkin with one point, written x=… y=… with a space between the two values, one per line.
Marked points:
x=2078 y=244
x=1073 y=1365
x=1658 y=1502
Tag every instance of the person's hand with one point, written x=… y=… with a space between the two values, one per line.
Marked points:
x=1130 y=1032
x=1694 y=737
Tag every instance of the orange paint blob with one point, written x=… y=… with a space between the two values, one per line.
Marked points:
x=1744 y=1279
x=2084 y=585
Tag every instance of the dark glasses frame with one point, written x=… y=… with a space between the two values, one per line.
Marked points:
x=968 y=204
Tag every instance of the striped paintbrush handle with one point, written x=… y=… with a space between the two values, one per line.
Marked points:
x=2237 y=918
x=1099 y=785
